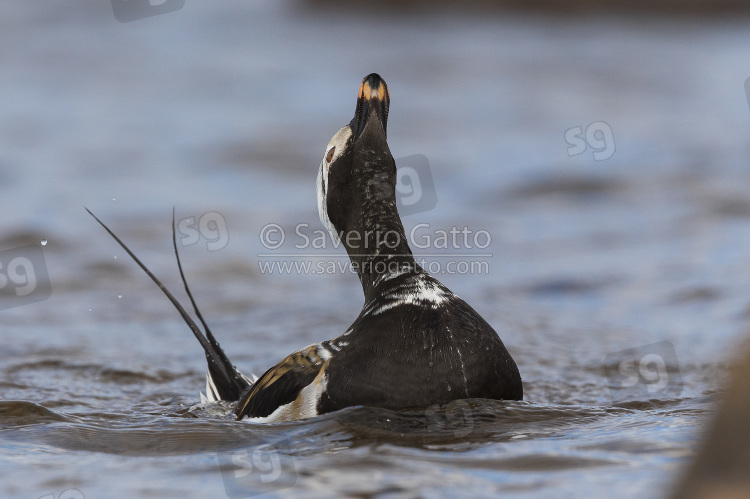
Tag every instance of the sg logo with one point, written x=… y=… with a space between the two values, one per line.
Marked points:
x=415 y=189
x=643 y=373
x=456 y=416
x=258 y=470
x=133 y=10
x=23 y=277
x=211 y=226
x=68 y=494
x=598 y=136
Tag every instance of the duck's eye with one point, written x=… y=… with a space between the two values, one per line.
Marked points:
x=329 y=156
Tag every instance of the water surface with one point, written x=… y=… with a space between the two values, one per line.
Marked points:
x=227 y=108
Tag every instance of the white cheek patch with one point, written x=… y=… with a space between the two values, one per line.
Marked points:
x=322 y=198
x=325 y=166
x=338 y=144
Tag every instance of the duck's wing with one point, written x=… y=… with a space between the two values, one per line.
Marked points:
x=291 y=389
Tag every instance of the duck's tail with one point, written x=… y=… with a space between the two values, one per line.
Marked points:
x=223 y=380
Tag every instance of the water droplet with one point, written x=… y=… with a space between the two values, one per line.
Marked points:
x=89 y=310
x=115 y=257
x=430 y=364
x=119 y=296
x=449 y=388
x=44 y=242
x=114 y=199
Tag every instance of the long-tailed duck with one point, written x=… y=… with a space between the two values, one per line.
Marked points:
x=414 y=343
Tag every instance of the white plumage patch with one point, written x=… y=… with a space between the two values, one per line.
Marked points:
x=390 y=275
x=212 y=394
x=303 y=407
x=322 y=191
x=336 y=146
x=417 y=291
x=429 y=292
x=323 y=352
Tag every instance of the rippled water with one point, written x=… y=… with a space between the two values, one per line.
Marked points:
x=226 y=109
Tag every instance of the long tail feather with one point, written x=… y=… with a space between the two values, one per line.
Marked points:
x=228 y=382
x=226 y=388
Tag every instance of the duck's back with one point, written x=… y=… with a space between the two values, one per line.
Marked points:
x=415 y=351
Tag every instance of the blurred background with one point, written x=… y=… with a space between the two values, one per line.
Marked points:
x=604 y=150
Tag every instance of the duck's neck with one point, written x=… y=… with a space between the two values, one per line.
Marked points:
x=377 y=247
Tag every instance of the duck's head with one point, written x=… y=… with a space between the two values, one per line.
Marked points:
x=357 y=177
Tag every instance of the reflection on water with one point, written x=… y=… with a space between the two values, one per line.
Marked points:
x=224 y=112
